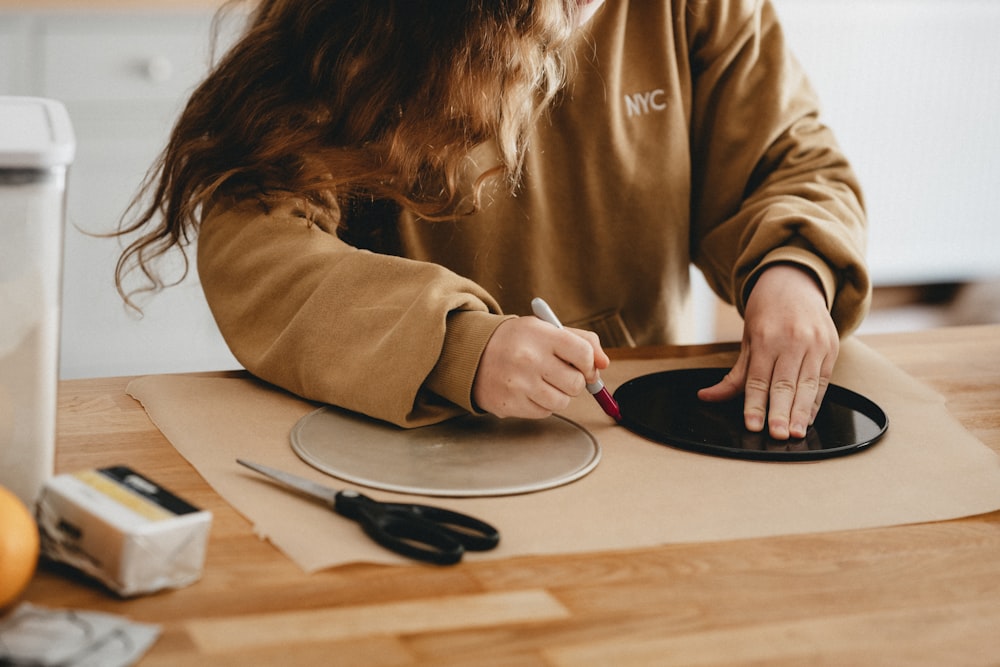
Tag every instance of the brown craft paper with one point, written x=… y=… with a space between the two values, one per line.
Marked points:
x=926 y=468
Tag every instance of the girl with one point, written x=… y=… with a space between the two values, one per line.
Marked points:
x=379 y=187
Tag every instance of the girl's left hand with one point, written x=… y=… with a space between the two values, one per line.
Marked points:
x=789 y=348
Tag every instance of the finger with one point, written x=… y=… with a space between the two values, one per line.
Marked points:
x=804 y=403
x=518 y=404
x=601 y=358
x=563 y=378
x=794 y=386
x=576 y=348
x=758 y=393
x=546 y=400
x=582 y=350
x=730 y=386
x=534 y=400
x=825 y=373
x=824 y=384
x=807 y=391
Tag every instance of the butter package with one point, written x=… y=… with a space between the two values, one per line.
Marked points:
x=122 y=529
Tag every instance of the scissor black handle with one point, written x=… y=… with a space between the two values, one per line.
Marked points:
x=426 y=533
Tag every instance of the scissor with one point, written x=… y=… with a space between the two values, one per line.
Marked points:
x=422 y=532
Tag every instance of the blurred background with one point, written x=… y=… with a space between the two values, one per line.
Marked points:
x=910 y=87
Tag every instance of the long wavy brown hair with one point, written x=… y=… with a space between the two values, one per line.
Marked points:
x=331 y=101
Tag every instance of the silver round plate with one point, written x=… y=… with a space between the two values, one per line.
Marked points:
x=466 y=456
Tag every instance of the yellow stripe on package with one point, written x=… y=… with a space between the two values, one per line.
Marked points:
x=123 y=529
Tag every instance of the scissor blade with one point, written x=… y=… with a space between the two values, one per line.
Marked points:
x=301 y=484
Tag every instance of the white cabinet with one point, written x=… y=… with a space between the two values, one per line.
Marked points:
x=118 y=59
x=13 y=52
x=912 y=89
x=123 y=77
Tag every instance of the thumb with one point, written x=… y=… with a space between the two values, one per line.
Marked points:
x=728 y=388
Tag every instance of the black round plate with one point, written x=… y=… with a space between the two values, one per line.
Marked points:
x=665 y=407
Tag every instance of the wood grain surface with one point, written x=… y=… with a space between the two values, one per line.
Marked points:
x=924 y=594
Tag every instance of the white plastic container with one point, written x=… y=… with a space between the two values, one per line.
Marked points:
x=36 y=150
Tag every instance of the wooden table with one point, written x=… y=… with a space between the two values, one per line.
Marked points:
x=924 y=594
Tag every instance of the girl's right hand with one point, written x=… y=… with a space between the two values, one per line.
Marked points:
x=532 y=369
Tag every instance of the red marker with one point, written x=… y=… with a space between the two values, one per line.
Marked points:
x=601 y=394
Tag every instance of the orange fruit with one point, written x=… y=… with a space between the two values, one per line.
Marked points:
x=18 y=547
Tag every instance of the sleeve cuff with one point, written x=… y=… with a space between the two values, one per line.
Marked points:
x=465 y=338
x=800 y=257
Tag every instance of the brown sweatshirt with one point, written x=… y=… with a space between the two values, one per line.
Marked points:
x=689 y=134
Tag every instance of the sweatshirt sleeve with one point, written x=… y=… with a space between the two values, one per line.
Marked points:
x=392 y=338
x=770 y=183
